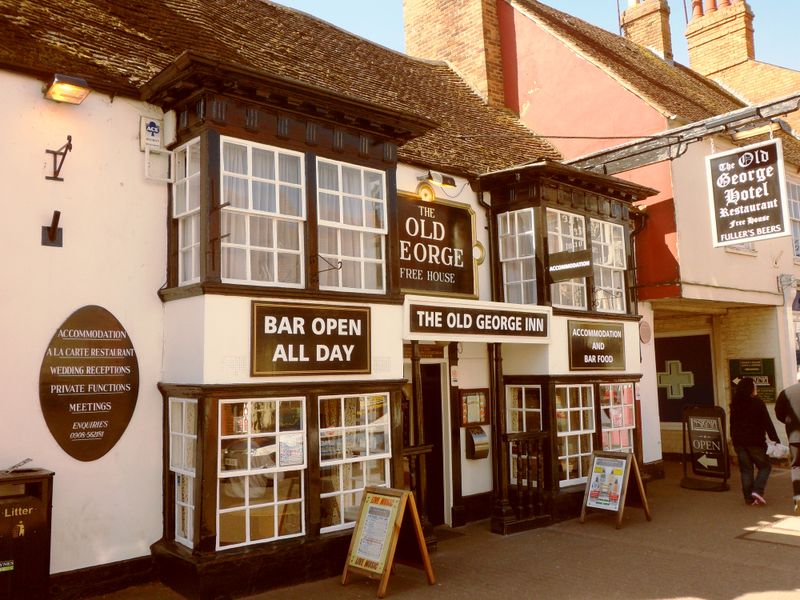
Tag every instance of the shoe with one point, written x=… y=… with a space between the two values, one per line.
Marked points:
x=758 y=499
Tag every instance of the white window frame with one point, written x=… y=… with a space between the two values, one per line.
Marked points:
x=517 y=253
x=522 y=413
x=283 y=454
x=332 y=264
x=793 y=193
x=351 y=456
x=562 y=241
x=186 y=209
x=617 y=416
x=609 y=265
x=182 y=458
x=575 y=444
x=249 y=214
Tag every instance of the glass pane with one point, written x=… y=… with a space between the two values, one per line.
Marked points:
x=532 y=421
x=289 y=485
x=532 y=398
x=292 y=450
x=261 y=489
x=351 y=180
x=574 y=420
x=352 y=211
x=261 y=232
x=376 y=472
x=234 y=227
x=289 y=518
x=234 y=191
x=288 y=235
x=353 y=475
x=232 y=528
x=588 y=420
x=353 y=411
x=289 y=268
x=352 y=503
x=176 y=451
x=373 y=276
x=189 y=452
x=290 y=201
x=193 y=193
x=377 y=441
x=329 y=207
x=290 y=168
x=329 y=478
x=263 y=163
x=328 y=176
x=262 y=522
x=263 y=451
x=190 y=412
x=351 y=243
x=231 y=492
x=233 y=455
x=330 y=446
x=374 y=184
x=373 y=245
x=263 y=416
x=291 y=416
x=263 y=196
x=373 y=215
x=176 y=417
x=355 y=444
x=234 y=263
x=329 y=413
x=234 y=158
x=328 y=242
x=330 y=512
x=376 y=409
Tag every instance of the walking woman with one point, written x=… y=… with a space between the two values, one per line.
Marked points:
x=750 y=423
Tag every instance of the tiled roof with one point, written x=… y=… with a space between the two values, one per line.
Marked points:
x=119 y=46
x=667 y=86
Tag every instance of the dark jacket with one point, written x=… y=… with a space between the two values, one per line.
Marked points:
x=750 y=422
x=787 y=407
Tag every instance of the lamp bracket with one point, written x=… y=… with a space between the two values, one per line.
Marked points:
x=57 y=164
x=333 y=267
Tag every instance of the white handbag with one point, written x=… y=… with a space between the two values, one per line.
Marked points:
x=777 y=450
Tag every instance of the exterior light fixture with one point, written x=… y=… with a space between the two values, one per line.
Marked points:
x=71 y=90
x=425 y=191
x=439 y=179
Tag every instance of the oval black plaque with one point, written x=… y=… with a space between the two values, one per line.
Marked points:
x=89 y=383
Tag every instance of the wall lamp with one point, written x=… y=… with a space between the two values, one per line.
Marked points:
x=64 y=88
x=439 y=179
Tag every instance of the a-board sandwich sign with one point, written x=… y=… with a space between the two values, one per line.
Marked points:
x=708 y=446
x=747 y=194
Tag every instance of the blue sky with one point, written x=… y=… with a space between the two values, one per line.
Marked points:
x=775 y=23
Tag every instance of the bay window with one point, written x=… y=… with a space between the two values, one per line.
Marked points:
x=566 y=232
x=261 y=469
x=182 y=452
x=617 y=416
x=518 y=255
x=263 y=214
x=355 y=449
x=574 y=406
x=186 y=209
x=609 y=264
x=352 y=227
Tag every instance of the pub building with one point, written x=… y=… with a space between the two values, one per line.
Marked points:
x=363 y=288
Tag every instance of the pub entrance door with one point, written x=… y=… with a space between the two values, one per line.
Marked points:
x=432 y=418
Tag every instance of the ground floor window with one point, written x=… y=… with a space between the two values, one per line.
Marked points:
x=523 y=415
x=617 y=415
x=574 y=406
x=182 y=452
x=355 y=449
x=262 y=463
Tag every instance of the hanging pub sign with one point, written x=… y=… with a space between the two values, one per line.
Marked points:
x=436 y=240
x=595 y=345
x=88 y=383
x=747 y=194
x=569 y=265
x=309 y=339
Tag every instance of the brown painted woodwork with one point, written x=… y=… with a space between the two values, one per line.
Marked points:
x=458 y=512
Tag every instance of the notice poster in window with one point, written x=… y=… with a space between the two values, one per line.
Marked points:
x=291 y=450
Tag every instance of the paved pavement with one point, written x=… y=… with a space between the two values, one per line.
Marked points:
x=699 y=545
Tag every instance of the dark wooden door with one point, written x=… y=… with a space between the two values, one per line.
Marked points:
x=434 y=467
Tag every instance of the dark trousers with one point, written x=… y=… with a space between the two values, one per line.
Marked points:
x=750 y=459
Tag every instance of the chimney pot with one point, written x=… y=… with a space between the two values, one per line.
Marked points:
x=711 y=6
x=697 y=8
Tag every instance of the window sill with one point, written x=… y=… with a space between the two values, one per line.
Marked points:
x=229 y=289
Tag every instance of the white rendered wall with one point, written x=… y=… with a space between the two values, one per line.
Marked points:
x=648 y=392
x=113 y=255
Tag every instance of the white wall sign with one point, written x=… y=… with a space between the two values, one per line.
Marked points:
x=747 y=194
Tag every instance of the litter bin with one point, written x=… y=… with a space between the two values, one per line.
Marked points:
x=26 y=501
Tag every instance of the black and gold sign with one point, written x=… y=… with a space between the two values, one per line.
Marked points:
x=309 y=339
x=596 y=345
x=458 y=320
x=88 y=383
x=436 y=240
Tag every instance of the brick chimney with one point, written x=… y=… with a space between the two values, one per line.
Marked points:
x=465 y=34
x=720 y=35
x=646 y=22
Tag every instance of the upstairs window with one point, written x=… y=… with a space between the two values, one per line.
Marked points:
x=518 y=255
x=566 y=232
x=186 y=209
x=351 y=210
x=263 y=214
x=609 y=260
x=793 y=190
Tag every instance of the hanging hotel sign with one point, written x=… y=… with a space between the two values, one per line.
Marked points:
x=436 y=240
x=88 y=383
x=595 y=345
x=569 y=265
x=309 y=339
x=747 y=194
x=445 y=322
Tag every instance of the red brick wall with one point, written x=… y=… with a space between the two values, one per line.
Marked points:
x=465 y=34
